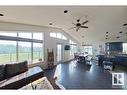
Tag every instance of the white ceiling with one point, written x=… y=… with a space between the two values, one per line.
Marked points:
x=102 y=19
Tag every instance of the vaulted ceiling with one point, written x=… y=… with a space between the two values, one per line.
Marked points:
x=101 y=19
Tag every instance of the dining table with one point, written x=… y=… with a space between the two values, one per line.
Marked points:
x=81 y=58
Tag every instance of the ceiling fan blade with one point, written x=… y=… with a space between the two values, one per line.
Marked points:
x=85 y=22
x=71 y=28
x=84 y=27
x=125 y=24
x=77 y=28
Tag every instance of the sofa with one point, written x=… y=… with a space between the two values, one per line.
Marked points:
x=17 y=75
x=121 y=60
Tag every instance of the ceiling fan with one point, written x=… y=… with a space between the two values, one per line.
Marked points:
x=125 y=24
x=79 y=25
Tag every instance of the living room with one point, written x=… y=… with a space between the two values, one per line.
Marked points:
x=74 y=47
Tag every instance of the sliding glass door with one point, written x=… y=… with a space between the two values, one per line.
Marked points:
x=59 y=52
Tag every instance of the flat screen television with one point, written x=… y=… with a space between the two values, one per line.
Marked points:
x=67 y=47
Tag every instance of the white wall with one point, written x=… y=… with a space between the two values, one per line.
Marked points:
x=49 y=42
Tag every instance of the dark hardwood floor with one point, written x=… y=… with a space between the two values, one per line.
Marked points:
x=75 y=75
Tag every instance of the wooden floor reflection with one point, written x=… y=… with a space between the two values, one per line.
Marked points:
x=75 y=75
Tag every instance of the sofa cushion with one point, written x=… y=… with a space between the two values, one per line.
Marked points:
x=16 y=68
x=1 y=72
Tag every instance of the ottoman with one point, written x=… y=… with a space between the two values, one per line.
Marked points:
x=108 y=65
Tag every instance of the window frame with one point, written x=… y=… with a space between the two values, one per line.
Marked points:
x=42 y=45
x=72 y=46
x=63 y=37
x=53 y=34
x=9 y=52
x=20 y=39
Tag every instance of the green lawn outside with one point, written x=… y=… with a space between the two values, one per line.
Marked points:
x=7 y=58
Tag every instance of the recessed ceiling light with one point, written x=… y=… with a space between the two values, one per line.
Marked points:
x=50 y=24
x=121 y=32
x=65 y=11
x=1 y=14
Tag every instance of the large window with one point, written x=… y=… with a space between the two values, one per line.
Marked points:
x=58 y=35
x=37 y=51
x=73 y=47
x=20 y=46
x=88 y=50
x=24 y=51
x=125 y=48
x=38 y=36
x=9 y=34
x=64 y=37
x=53 y=35
x=7 y=51
x=25 y=35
